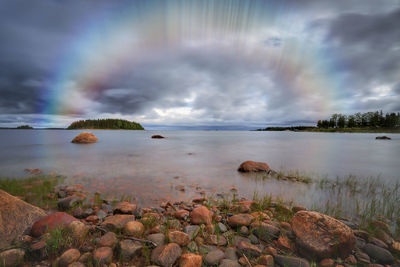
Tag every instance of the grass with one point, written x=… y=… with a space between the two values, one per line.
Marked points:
x=37 y=190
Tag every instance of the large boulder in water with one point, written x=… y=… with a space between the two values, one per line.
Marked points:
x=85 y=138
x=16 y=216
x=320 y=236
x=157 y=136
x=253 y=166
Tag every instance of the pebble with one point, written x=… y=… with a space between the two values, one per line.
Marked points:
x=128 y=249
x=229 y=263
x=214 y=257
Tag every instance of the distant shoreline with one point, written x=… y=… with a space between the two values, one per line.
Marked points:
x=329 y=130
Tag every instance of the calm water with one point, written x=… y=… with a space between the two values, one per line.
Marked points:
x=130 y=162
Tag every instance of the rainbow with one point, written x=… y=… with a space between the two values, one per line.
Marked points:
x=122 y=35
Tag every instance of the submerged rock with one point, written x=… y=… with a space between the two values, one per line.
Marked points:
x=157 y=136
x=252 y=166
x=383 y=138
x=16 y=216
x=85 y=138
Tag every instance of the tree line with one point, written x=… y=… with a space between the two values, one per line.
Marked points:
x=362 y=120
x=105 y=124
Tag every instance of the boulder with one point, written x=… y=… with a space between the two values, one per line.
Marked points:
x=383 y=138
x=379 y=254
x=157 y=136
x=201 y=215
x=190 y=260
x=321 y=236
x=85 y=138
x=16 y=216
x=166 y=255
x=253 y=166
x=240 y=220
x=50 y=222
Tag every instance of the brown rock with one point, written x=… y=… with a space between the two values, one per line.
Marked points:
x=134 y=228
x=284 y=243
x=68 y=257
x=117 y=222
x=85 y=138
x=102 y=256
x=248 y=249
x=50 y=222
x=16 y=216
x=217 y=240
x=252 y=166
x=78 y=229
x=166 y=255
x=266 y=260
x=201 y=215
x=108 y=240
x=181 y=238
x=240 y=220
x=190 y=260
x=128 y=249
x=157 y=136
x=321 y=236
x=181 y=214
x=327 y=263
x=125 y=207
x=12 y=257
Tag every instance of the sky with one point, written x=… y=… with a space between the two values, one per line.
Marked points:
x=197 y=63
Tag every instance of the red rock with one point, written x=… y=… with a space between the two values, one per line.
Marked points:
x=284 y=243
x=181 y=238
x=117 y=222
x=102 y=256
x=181 y=214
x=166 y=255
x=125 y=207
x=134 y=228
x=252 y=166
x=190 y=260
x=201 y=215
x=240 y=220
x=108 y=240
x=50 y=222
x=266 y=260
x=68 y=257
x=327 y=263
x=85 y=138
x=321 y=236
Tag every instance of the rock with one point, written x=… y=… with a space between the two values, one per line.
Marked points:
x=69 y=202
x=85 y=257
x=321 y=236
x=134 y=228
x=265 y=231
x=244 y=230
x=12 y=257
x=125 y=207
x=229 y=263
x=128 y=249
x=85 y=138
x=181 y=238
x=108 y=240
x=383 y=138
x=78 y=229
x=76 y=264
x=288 y=261
x=38 y=249
x=214 y=257
x=181 y=214
x=298 y=208
x=253 y=239
x=192 y=231
x=240 y=220
x=327 y=263
x=230 y=253
x=101 y=214
x=362 y=257
x=159 y=238
x=252 y=166
x=166 y=255
x=102 y=256
x=266 y=260
x=50 y=222
x=248 y=249
x=192 y=246
x=222 y=227
x=16 y=216
x=157 y=136
x=201 y=215
x=190 y=260
x=82 y=213
x=68 y=257
x=217 y=240
x=379 y=254
x=117 y=222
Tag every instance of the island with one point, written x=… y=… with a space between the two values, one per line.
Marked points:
x=25 y=127
x=110 y=124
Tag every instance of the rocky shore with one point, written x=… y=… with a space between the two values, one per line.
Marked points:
x=90 y=231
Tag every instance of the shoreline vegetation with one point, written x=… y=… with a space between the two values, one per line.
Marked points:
x=106 y=124
x=85 y=229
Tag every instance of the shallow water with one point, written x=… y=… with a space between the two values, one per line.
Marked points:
x=130 y=162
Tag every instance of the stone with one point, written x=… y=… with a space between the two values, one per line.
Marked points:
x=240 y=220
x=166 y=255
x=379 y=254
x=50 y=222
x=101 y=214
x=214 y=257
x=108 y=240
x=76 y=264
x=362 y=257
x=289 y=261
x=84 y=258
x=134 y=228
x=248 y=249
x=16 y=216
x=231 y=253
x=157 y=136
x=181 y=214
x=266 y=260
x=327 y=263
x=68 y=257
x=192 y=246
x=117 y=222
x=12 y=257
x=321 y=236
x=265 y=231
x=222 y=227
x=217 y=240
x=84 y=138
x=78 y=229
x=102 y=256
x=181 y=238
x=125 y=207
x=201 y=215
x=69 y=202
x=190 y=260
x=252 y=166
x=158 y=238
x=229 y=263
x=192 y=231
x=384 y=137
x=253 y=239
x=244 y=230
x=38 y=249
x=128 y=249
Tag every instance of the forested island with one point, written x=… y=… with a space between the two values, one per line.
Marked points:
x=374 y=122
x=114 y=124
